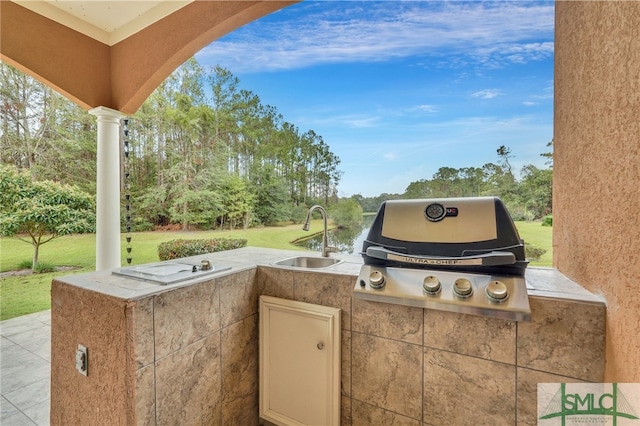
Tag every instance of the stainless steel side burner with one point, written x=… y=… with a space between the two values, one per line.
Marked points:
x=455 y=254
x=171 y=272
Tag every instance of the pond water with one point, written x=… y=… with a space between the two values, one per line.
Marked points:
x=347 y=240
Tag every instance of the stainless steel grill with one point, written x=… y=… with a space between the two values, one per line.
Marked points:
x=454 y=254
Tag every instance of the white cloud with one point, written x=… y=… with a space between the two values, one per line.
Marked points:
x=519 y=53
x=390 y=156
x=312 y=33
x=547 y=93
x=487 y=93
x=352 y=121
x=430 y=109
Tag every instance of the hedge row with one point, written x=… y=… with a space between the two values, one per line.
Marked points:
x=175 y=249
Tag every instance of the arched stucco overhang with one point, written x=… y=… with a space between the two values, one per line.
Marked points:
x=111 y=70
x=120 y=76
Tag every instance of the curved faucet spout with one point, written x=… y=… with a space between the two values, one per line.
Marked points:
x=326 y=249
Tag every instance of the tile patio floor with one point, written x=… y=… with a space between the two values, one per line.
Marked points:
x=25 y=370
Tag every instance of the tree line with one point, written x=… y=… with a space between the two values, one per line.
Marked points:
x=528 y=197
x=204 y=152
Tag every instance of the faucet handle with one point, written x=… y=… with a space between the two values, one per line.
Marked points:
x=329 y=249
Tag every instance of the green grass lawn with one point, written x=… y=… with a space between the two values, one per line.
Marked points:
x=24 y=294
x=80 y=250
x=540 y=236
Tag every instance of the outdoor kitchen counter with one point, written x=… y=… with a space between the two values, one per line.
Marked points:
x=238 y=260
x=549 y=282
x=188 y=352
x=541 y=281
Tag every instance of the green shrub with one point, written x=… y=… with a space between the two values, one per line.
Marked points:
x=175 y=249
x=41 y=267
x=299 y=214
x=519 y=213
x=25 y=264
x=532 y=252
x=547 y=220
x=44 y=268
x=347 y=213
x=140 y=224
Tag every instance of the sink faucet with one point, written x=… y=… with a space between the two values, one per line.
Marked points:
x=326 y=249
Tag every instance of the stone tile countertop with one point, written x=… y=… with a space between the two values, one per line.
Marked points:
x=542 y=282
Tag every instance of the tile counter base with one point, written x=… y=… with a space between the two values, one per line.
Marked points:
x=189 y=354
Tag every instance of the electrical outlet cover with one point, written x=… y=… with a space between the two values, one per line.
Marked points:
x=82 y=360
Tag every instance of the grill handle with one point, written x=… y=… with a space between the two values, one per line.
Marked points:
x=494 y=258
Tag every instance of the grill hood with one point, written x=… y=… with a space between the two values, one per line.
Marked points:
x=473 y=234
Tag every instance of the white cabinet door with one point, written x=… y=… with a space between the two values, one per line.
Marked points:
x=299 y=363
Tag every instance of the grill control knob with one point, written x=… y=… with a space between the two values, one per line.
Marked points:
x=376 y=279
x=497 y=290
x=462 y=287
x=431 y=284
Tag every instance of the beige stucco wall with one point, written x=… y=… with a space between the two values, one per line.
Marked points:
x=597 y=166
x=103 y=325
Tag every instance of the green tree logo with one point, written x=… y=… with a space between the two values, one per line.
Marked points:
x=584 y=406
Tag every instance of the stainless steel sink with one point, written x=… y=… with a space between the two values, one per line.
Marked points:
x=309 y=262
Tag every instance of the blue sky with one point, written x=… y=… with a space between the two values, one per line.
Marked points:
x=398 y=89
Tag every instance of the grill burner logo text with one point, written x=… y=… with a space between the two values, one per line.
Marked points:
x=435 y=261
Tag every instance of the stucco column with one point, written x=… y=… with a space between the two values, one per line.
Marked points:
x=108 y=188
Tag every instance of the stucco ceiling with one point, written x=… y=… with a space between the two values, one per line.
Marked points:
x=107 y=21
x=112 y=53
x=108 y=57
